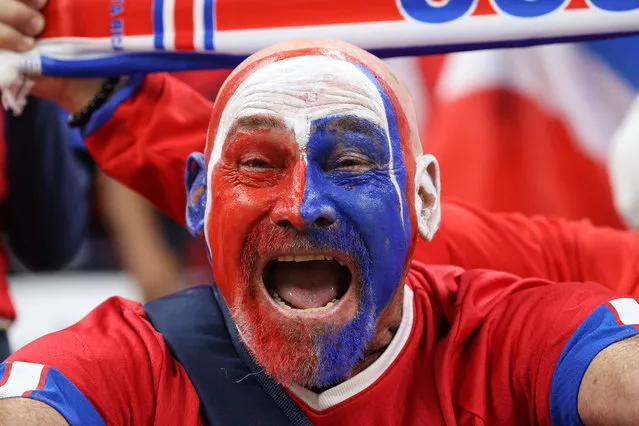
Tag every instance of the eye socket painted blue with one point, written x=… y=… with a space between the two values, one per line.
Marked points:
x=349 y=135
x=370 y=202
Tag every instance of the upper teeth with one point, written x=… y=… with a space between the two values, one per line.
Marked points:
x=303 y=258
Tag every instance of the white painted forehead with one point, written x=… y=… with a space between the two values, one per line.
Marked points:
x=300 y=90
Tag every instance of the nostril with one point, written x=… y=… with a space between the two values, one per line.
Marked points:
x=284 y=223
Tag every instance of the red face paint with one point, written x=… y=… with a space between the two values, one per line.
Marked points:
x=260 y=177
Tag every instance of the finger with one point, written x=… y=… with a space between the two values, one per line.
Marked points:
x=25 y=89
x=11 y=39
x=21 y=17
x=35 y=4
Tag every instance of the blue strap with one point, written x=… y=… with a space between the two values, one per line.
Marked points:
x=232 y=388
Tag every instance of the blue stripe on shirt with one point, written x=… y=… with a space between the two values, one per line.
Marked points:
x=597 y=332
x=61 y=394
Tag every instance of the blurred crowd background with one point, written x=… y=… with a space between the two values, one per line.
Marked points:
x=522 y=130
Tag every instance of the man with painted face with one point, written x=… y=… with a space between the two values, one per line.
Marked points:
x=143 y=135
x=311 y=194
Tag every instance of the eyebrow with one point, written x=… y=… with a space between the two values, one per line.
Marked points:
x=256 y=122
x=357 y=125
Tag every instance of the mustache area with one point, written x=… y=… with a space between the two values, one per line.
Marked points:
x=315 y=352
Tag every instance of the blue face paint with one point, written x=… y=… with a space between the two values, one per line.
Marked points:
x=371 y=219
x=369 y=200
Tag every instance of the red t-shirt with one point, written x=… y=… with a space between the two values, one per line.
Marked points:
x=474 y=347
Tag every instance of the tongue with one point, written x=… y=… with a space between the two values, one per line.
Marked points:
x=305 y=285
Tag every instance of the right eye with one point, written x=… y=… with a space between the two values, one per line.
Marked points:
x=255 y=163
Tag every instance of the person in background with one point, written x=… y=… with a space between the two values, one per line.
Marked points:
x=44 y=195
x=139 y=236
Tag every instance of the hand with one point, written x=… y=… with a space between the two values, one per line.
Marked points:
x=21 y=21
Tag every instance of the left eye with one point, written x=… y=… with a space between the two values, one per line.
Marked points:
x=354 y=163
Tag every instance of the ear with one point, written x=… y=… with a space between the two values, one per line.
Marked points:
x=196 y=186
x=427 y=196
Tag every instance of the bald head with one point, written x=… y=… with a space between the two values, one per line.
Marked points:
x=336 y=50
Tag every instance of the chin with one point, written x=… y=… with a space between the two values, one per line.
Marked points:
x=305 y=308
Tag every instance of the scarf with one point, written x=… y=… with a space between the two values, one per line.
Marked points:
x=101 y=38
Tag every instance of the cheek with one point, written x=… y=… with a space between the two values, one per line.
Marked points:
x=236 y=209
x=374 y=209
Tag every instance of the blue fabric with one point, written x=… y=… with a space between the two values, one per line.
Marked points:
x=209 y=22
x=200 y=334
x=132 y=63
x=47 y=206
x=106 y=111
x=75 y=140
x=454 y=9
x=597 y=332
x=5 y=347
x=158 y=24
x=182 y=61
x=620 y=55
x=59 y=393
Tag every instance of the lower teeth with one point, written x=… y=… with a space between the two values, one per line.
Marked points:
x=282 y=303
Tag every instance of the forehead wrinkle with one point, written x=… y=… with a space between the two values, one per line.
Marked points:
x=319 y=97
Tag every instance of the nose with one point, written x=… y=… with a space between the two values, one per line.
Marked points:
x=318 y=211
x=305 y=204
x=309 y=214
x=287 y=210
x=287 y=215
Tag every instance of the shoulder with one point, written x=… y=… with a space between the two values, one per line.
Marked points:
x=445 y=281
x=108 y=325
x=114 y=319
x=114 y=357
x=112 y=339
x=531 y=339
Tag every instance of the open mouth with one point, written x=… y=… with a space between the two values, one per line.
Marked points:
x=310 y=283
